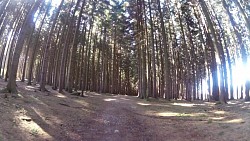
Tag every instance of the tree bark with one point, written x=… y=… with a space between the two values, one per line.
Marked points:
x=72 y=64
x=47 y=48
x=166 y=55
x=28 y=24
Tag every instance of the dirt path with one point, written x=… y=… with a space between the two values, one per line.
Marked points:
x=117 y=121
x=103 y=117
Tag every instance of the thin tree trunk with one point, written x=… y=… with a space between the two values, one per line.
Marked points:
x=28 y=24
x=29 y=41
x=47 y=48
x=72 y=60
x=166 y=55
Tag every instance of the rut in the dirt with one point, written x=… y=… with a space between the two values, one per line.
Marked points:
x=119 y=122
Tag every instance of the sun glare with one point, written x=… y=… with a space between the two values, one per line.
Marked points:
x=240 y=73
x=109 y=99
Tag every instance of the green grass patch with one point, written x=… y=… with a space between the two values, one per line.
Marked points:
x=34 y=132
x=209 y=121
x=183 y=115
x=218 y=103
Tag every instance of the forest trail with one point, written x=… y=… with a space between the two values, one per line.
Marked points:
x=119 y=121
x=52 y=116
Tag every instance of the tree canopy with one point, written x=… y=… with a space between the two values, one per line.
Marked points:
x=174 y=49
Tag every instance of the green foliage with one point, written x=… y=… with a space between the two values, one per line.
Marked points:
x=209 y=121
x=183 y=115
x=218 y=103
x=34 y=132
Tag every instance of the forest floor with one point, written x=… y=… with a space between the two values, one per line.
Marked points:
x=52 y=116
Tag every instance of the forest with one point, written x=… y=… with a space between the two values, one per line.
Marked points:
x=124 y=70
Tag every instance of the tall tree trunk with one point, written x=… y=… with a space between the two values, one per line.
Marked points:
x=242 y=47
x=154 y=92
x=166 y=55
x=34 y=50
x=72 y=64
x=29 y=41
x=28 y=24
x=47 y=48
x=218 y=50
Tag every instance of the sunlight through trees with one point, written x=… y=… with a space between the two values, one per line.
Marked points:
x=173 y=49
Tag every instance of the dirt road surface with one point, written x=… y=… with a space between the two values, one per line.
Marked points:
x=52 y=116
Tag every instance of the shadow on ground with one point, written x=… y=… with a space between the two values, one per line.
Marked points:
x=50 y=116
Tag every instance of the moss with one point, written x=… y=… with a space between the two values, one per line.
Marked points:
x=184 y=115
x=218 y=103
x=34 y=132
x=209 y=121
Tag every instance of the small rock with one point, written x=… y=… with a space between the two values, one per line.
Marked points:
x=17 y=106
x=106 y=122
x=116 y=131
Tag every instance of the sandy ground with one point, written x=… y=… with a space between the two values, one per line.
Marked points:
x=52 y=116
